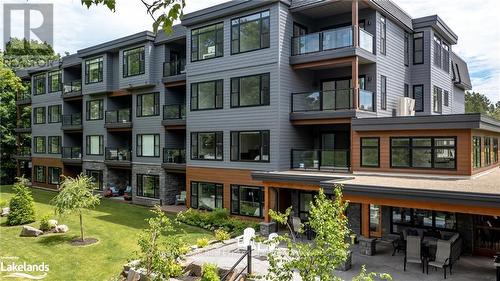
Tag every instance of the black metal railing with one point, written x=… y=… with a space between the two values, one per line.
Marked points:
x=118 y=154
x=72 y=87
x=175 y=67
x=174 y=155
x=320 y=159
x=74 y=119
x=72 y=152
x=248 y=267
x=119 y=116
x=24 y=151
x=174 y=111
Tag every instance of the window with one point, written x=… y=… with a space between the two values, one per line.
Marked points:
x=383 y=34
x=437 y=52
x=148 y=104
x=423 y=152
x=446 y=57
x=247 y=200
x=39 y=115
x=54 y=113
x=402 y=218
x=437 y=100
x=305 y=199
x=207 y=146
x=299 y=30
x=476 y=152
x=383 y=92
x=97 y=177
x=54 y=175
x=55 y=81
x=487 y=151
x=54 y=144
x=370 y=152
x=148 y=186
x=250 y=90
x=205 y=195
x=418 y=48
x=446 y=98
x=250 y=146
x=250 y=33
x=39 y=84
x=133 y=62
x=407 y=49
x=95 y=145
x=39 y=144
x=95 y=109
x=444 y=153
x=40 y=174
x=207 y=95
x=94 y=70
x=418 y=95
x=207 y=42
x=422 y=218
x=407 y=90
x=148 y=145
x=495 y=150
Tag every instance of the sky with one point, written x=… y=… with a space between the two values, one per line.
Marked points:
x=475 y=22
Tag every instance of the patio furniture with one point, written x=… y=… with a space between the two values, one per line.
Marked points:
x=114 y=191
x=456 y=249
x=413 y=252
x=296 y=226
x=180 y=198
x=442 y=259
x=246 y=239
x=399 y=244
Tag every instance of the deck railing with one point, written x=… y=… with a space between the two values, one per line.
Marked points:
x=320 y=159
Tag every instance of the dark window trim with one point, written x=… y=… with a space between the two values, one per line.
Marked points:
x=50 y=115
x=101 y=109
x=422 y=51
x=495 y=150
x=313 y=193
x=89 y=172
x=38 y=77
x=474 y=152
x=44 y=173
x=138 y=152
x=437 y=90
x=231 y=145
x=261 y=203
x=100 y=67
x=260 y=33
x=383 y=92
x=49 y=144
x=198 y=194
x=156 y=187
x=142 y=64
x=101 y=145
x=139 y=104
x=44 y=151
x=383 y=35
x=214 y=57
x=422 y=101
x=261 y=75
x=49 y=169
x=413 y=225
x=488 y=151
x=406 y=49
x=361 y=151
x=35 y=115
x=197 y=143
x=49 y=76
x=446 y=98
x=217 y=83
x=433 y=147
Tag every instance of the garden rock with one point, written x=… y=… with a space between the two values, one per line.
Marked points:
x=5 y=211
x=62 y=228
x=52 y=224
x=29 y=231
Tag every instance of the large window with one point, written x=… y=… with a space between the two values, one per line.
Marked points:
x=383 y=35
x=148 y=145
x=39 y=144
x=495 y=150
x=250 y=90
x=94 y=70
x=133 y=62
x=148 y=104
x=39 y=174
x=446 y=57
x=370 y=152
x=95 y=145
x=148 y=186
x=95 y=109
x=476 y=152
x=418 y=48
x=441 y=54
x=383 y=92
x=418 y=95
x=305 y=199
x=446 y=98
x=487 y=151
x=96 y=176
x=207 y=95
x=423 y=152
x=250 y=146
x=402 y=218
x=55 y=81
x=437 y=100
x=250 y=33
x=54 y=144
x=39 y=84
x=207 y=196
x=39 y=115
x=407 y=49
x=207 y=42
x=247 y=200
x=206 y=146
x=54 y=175
x=54 y=113
x=437 y=52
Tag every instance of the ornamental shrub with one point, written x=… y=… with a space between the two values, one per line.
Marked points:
x=222 y=235
x=22 y=209
x=202 y=242
x=210 y=272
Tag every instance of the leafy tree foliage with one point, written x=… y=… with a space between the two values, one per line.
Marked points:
x=21 y=53
x=22 y=208
x=479 y=103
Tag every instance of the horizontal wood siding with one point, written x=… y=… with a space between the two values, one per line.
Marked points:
x=483 y=134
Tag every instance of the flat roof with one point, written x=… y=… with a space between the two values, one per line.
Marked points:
x=439 y=25
x=117 y=43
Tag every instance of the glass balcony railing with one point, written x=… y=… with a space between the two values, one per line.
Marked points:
x=322 y=100
x=118 y=154
x=74 y=119
x=175 y=67
x=119 y=116
x=365 y=40
x=174 y=155
x=72 y=87
x=24 y=151
x=174 y=111
x=320 y=159
x=74 y=152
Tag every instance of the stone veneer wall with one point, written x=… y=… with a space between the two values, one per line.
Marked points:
x=354 y=215
x=97 y=166
x=118 y=178
x=174 y=183
x=147 y=170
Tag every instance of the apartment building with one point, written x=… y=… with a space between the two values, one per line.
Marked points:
x=255 y=105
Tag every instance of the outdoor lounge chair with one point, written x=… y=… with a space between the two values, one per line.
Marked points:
x=180 y=198
x=296 y=226
x=413 y=252
x=114 y=191
x=246 y=239
x=442 y=259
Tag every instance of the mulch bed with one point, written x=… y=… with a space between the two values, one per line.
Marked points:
x=85 y=242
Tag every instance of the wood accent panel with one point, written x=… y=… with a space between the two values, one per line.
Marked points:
x=365 y=220
x=329 y=62
x=322 y=121
x=45 y=162
x=482 y=134
x=175 y=84
x=355 y=23
x=355 y=69
x=119 y=93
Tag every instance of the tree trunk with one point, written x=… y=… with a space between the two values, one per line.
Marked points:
x=81 y=227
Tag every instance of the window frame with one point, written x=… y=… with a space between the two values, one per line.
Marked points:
x=238 y=26
x=142 y=61
x=495 y=150
x=383 y=35
x=88 y=147
x=100 y=183
x=487 y=151
x=49 y=144
x=239 y=187
x=421 y=42
x=383 y=92
x=421 y=99
x=406 y=89
x=262 y=146
x=475 y=159
x=49 y=114
x=216 y=133
x=361 y=146
x=50 y=75
x=191 y=196
x=139 y=145
x=407 y=49
x=100 y=66
x=35 y=141
x=35 y=167
x=42 y=84
x=216 y=42
x=139 y=104
x=412 y=224
x=88 y=107
x=432 y=148
x=49 y=176
x=262 y=88
x=44 y=116
x=437 y=96
x=140 y=186
x=446 y=98
x=437 y=54
x=219 y=92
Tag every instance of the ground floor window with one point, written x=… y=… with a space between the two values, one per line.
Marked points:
x=423 y=152
x=247 y=200
x=39 y=174
x=148 y=186
x=205 y=195
x=96 y=176
x=370 y=152
x=54 y=174
x=305 y=199
x=402 y=218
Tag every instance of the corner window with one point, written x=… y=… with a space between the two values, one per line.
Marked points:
x=247 y=200
x=250 y=33
x=383 y=92
x=96 y=176
x=495 y=150
x=148 y=186
x=39 y=144
x=207 y=146
x=487 y=151
x=133 y=62
x=207 y=95
x=383 y=35
x=250 y=90
x=148 y=105
x=250 y=146
x=39 y=84
x=437 y=100
x=476 y=152
x=55 y=81
x=95 y=145
x=94 y=70
x=370 y=152
x=148 y=145
x=423 y=152
x=54 y=144
x=39 y=115
x=437 y=52
x=407 y=49
x=54 y=175
x=206 y=196
x=207 y=42
x=418 y=95
x=418 y=48
x=39 y=174
x=54 y=113
x=95 y=109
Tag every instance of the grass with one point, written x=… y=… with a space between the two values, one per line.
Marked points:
x=115 y=224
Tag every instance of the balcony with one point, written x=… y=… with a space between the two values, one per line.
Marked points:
x=174 y=72
x=118 y=157
x=23 y=97
x=174 y=116
x=23 y=126
x=119 y=119
x=71 y=155
x=332 y=44
x=72 y=89
x=23 y=153
x=72 y=122
x=174 y=159
x=320 y=159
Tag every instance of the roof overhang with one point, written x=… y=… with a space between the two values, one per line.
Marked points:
x=117 y=44
x=438 y=25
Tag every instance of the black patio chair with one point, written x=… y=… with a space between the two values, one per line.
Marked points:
x=399 y=244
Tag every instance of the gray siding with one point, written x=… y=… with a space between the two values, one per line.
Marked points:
x=420 y=73
x=93 y=127
x=100 y=86
x=458 y=101
x=441 y=78
x=137 y=80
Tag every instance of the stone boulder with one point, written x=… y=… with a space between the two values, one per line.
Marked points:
x=62 y=228
x=29 y=231
x=52 y=224
x=5 y=211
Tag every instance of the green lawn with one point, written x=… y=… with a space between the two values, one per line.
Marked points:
x=115 y=224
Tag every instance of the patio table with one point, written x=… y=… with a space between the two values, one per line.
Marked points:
x=429 y=245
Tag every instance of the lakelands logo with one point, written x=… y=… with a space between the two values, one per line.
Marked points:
x=14 y=269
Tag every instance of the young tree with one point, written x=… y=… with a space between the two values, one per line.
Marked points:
x=75 y=197
x=22 y=209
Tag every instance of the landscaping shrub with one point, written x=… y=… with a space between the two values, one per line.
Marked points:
x=222 y=235
x=210 y=272
x=202 y=242
x=22 y=210
x=4 y=203
x=44 y=223
x=218 y=218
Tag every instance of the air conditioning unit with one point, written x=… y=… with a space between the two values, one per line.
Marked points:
x=406 y=107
